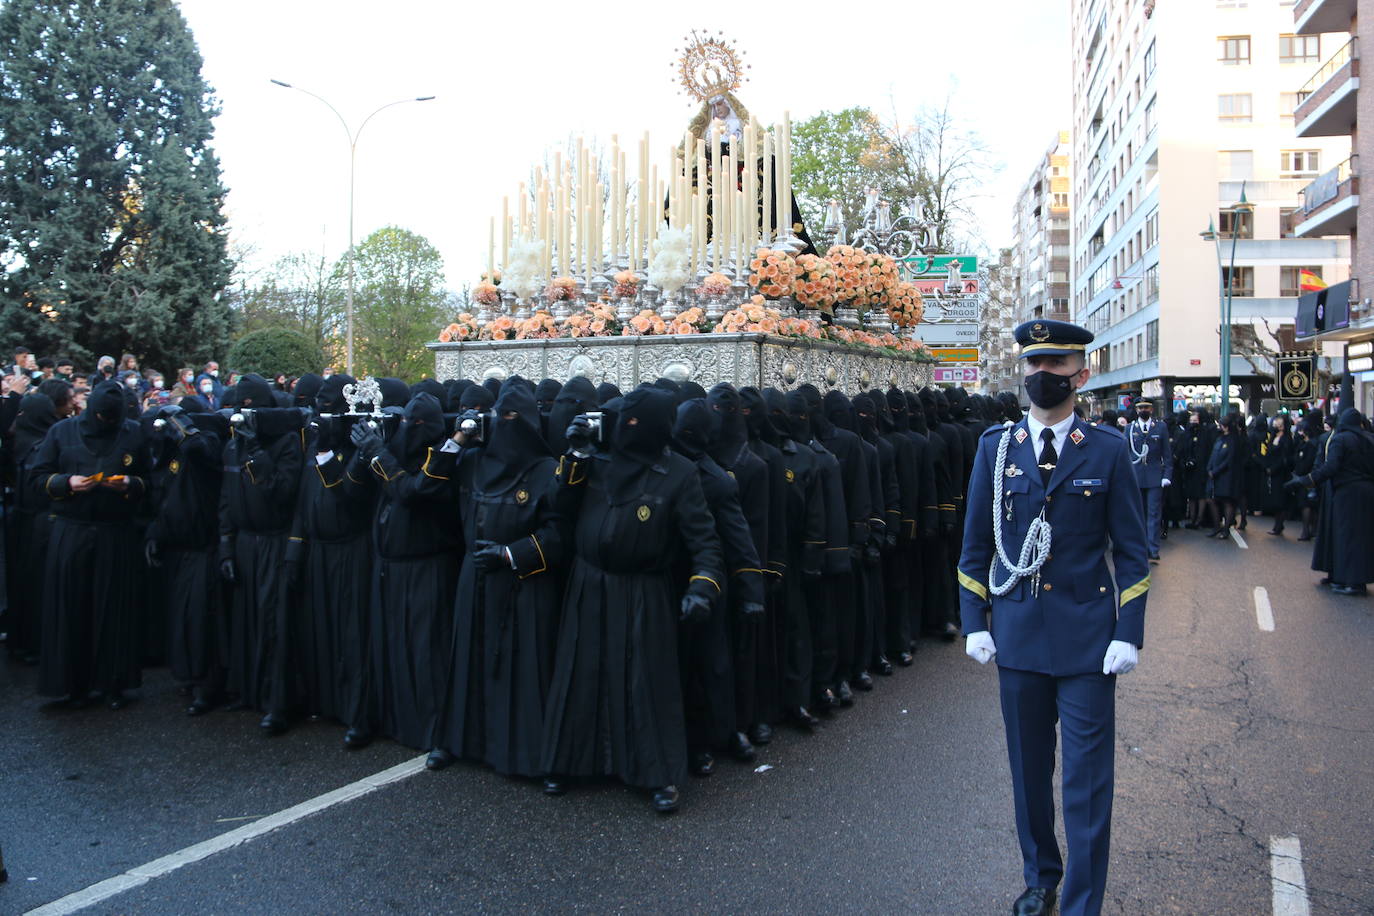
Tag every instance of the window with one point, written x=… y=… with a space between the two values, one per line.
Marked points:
x=1149 y=117
x=1240 y=223
x=1300 y=49
x=1234 y=49
x=1150 y=60
x=1288 y=101
x=1243 y=284
x=1236 y=164
x=1152 y=229
x=1152 y=339
x=1299 y=163
x=1151 y=283
x=1288 y=219
x=1290 y=282
x=1060 y=200
x=1234 y=108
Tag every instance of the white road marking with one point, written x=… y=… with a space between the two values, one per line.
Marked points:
x=1240 y=541
x=1264 y=614
x=1290 y=884
x=142 y=874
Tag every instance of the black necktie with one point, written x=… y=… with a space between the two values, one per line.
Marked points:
x=1048 y=456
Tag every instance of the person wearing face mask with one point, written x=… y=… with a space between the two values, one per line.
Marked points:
x=505 y=613
x=418 y=540
x=1046 y=498
x=94 y=469
x=1153 y=459
x=615 y=702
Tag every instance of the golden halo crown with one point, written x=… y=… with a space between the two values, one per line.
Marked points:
x=710 y=66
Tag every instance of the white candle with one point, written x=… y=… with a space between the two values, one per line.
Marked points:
x=505 y=231
x=491 y=250
x=767 y=226
x=785 y=205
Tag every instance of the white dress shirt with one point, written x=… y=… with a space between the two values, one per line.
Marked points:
x=1061 y=432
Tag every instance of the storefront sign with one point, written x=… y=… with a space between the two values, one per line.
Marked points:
x=1297 y=375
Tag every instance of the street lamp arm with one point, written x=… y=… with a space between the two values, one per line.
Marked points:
x=352 y=138
x=423 y=98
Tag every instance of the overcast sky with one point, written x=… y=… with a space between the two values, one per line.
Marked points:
x=514 y=80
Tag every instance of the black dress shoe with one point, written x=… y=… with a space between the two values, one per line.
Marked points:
x=1347 y=589
x=1154 y=558
x=235 y=706
x=273 y=724
x=761 y=733
x=1192 y=526
x=844 y=694
x=665 y=800
x=740 y=748
x=1325 y=580
x=1304 y=537
x=438 y=759
x=950 y=633
x=355 y=739
x=827 y=699
x=116 y=700
x=199 y=707
x=1035 y=901
x=802 y=718
x=554 y=785
x=905 y=659
x=864 y=681
x=883 y=666
x=1164 y=535
x=701 y=763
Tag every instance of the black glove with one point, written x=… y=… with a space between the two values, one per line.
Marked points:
x=775 y=584
x=856 y=554
x=947 y=528
x=872 y=555
x=228 y=571
x=751 y=609
x=890 y=540
x=366 y=439
x=150 y=554
x=695 y=608
x=1298 y=482
x=579 y=434
x=490 y=555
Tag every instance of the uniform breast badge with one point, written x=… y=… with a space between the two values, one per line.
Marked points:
x=1014 y=471
x=1021 y=435
x=789 y=475
x=522 y=497
x=642 y=513
x=1077 y=436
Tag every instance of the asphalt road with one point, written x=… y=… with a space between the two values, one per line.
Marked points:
x=1228 y=736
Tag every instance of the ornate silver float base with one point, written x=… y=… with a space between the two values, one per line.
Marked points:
x=741 y=359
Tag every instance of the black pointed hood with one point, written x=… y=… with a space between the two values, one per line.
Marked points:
x=430 y=386
x=330 y=397
x=104 y=413
x=513 y=444
x=733 y=434
x=756 y=418
x=395 y=393
x=801 y=422
x=37 y=414
x=821 y=427
x=605 y=391
x=307 y=388
x=576 y=397
x=695 y=428
x=866 y=414
x=253 y=391
x=422 y=427
x=839 y=411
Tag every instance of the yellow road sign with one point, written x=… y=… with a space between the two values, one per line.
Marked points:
x=955 y=354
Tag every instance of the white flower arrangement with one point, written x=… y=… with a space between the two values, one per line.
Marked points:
x=523 y=271
x=671 y=263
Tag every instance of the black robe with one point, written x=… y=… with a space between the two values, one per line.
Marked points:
x=615 y=705
x=1348 y=465
x=91 y=624
x=28 y=527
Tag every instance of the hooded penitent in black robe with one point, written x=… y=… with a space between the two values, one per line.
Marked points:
x=938 y=607
x=331 y=559
x=888 y=494
x=707 y=650
x=262 y=474
x=506 y=610
x=28 y=528
x=855 y=644
x=184 y=532
x=577 y=397
x=615 y=705
x=545 y=395
x=91 y=627
x=1347 y=539
x=418 y=542
x=729 y=449
x=764 y=440
x=919 y=529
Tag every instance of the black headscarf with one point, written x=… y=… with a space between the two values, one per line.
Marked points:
x=104 y=413
x=422 y=427
x=733 y=434
x=930 y=407
x=254 y=391
x=867 y=415
x=695 y=428
x=821 y=427
x=756 y=415
x=839 y=411
x=493 y=387
x=691 y=389
x=643 y=427
x=395 y=393
x=475 y=397
x=777 y=412
x=1011 y=406
x=430 y=386
x=669 y=386
x=512 y=444
x=454 y=388
x=605 y=391
x=545 y=393
x=576 y=397
x=37 y=414
x=896 y=405
x=917 y=413
x=306 y=390
x=330 y=397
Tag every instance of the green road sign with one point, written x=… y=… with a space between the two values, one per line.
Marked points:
x=938 y=265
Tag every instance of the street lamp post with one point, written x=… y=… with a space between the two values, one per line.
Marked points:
x=352 y=136
x=1227 y=284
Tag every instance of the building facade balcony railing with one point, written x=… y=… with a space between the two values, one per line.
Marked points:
x=1326 y=103
x=1313 y=17
x=1330 y=202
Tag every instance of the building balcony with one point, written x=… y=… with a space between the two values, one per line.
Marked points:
x=1313 y=17
x=1330 y=204
x=1326 y=105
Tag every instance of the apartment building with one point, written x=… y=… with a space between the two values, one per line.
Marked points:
x=1177 y=108
x=1000 y=365
x=1041 y=249
x=1338 y=319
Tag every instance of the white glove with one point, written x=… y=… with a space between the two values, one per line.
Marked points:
x=1164 y=482
x=980 y=647
x=1120 y=659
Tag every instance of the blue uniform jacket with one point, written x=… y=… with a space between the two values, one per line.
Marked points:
x=1062 y=624
x=1157 y=463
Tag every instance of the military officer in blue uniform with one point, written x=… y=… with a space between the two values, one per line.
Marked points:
x=1047 y=496
x=1153 y=459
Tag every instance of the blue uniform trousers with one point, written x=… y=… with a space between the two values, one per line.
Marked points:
x=1152 y=507
x=1085 y=707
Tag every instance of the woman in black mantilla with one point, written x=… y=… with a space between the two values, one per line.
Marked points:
x=506 y=613
x=94 y=469
x=615 y=705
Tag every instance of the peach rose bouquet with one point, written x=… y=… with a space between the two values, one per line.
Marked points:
x=771 y=273
x=814 y=284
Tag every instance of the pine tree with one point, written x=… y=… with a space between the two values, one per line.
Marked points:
x=112 y=233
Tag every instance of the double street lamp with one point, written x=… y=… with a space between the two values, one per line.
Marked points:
x=352 y=136
x=1227 y=281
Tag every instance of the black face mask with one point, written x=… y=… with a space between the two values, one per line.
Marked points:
x=1048 y=390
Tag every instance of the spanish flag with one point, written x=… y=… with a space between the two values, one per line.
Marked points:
x=1309 y=282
